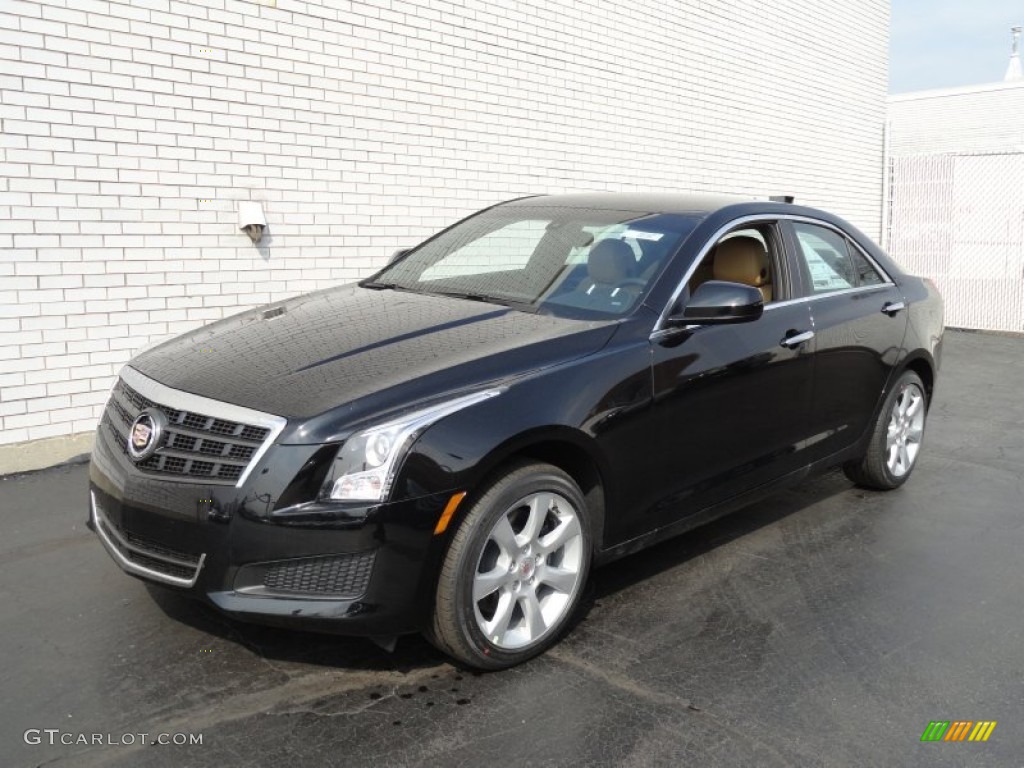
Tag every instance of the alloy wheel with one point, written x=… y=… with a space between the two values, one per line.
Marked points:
x=905 y=431
x=529 y=570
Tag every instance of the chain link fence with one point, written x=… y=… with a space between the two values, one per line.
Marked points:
x=959 y=219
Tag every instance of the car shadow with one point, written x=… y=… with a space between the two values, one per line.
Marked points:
x=638 y=567
x=413 y=652
x=297 y=646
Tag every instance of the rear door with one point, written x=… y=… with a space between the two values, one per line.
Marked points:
x=859 y=323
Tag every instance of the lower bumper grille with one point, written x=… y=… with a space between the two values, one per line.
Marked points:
x=340 y=575
x=332 y=576
x=161 y=566
x=146 y=558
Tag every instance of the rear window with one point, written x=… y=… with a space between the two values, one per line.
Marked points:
x=832 y=263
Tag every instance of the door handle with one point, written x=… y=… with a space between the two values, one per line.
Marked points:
x=796 y=339
x=892 y=307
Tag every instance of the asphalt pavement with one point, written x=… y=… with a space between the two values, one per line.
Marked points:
x=826 y=626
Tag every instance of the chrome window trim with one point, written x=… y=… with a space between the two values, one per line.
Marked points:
x=660 y=330
x=817 y=296
x=105 y=530
x=186 y=401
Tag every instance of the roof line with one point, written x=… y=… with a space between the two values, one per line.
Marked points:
x=937 y=93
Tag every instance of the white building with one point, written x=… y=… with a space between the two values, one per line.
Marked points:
x=956 y=197
x=132 y=130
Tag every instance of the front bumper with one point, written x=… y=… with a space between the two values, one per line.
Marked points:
x=349 y=570
x=144 y=559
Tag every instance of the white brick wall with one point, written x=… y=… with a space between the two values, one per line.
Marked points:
x=978 y=119
x=131 y=129
x=984 y=118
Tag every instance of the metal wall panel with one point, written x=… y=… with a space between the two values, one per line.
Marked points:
x=959 y=219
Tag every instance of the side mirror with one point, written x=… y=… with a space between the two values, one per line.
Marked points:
x=398 y=254
x=717 y=302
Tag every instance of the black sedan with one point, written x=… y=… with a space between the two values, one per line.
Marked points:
x=551 y=383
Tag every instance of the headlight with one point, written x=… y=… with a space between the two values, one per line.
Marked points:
x=365 y=465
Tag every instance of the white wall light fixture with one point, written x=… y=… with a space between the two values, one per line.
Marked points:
x=251 y=220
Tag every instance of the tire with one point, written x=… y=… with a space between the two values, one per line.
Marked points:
x=896 y=438
x=514 y=573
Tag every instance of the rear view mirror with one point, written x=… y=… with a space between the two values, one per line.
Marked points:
x=717 y=302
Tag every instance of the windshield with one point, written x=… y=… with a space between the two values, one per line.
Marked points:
x=572 y=261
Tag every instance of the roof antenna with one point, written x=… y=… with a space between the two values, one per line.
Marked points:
x=1013 y=71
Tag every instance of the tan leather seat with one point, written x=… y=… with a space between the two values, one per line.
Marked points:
x=743 y=259
x=705 y=271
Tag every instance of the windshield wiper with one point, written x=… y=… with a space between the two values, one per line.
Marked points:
x=468 y=295
x=487 y=299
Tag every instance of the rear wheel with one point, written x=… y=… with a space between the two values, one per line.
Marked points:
x=515 y=570
x=896 y=439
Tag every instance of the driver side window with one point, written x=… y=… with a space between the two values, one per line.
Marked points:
x=748 y=255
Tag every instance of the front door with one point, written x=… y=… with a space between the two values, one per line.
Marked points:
x=729 y=411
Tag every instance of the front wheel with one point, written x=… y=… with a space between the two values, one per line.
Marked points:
x=896 y=439
x=515 y=570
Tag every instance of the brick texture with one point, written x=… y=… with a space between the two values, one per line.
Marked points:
x=983 y=118
x=130 y=131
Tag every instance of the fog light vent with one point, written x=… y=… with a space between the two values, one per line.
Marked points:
x=336 y=575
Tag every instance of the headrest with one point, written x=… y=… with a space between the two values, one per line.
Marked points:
x=742 y=259
x=610 y=262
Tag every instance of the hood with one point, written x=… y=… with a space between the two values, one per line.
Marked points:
x=349 y=345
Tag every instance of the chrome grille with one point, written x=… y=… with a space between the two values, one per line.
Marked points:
x=194 y=444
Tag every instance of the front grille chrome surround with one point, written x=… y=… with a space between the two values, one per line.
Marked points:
x=143 y=558
x=205 y=439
